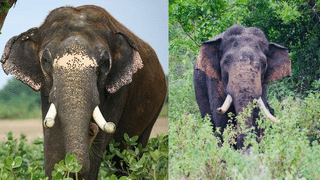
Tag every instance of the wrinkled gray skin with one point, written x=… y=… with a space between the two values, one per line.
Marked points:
x=81 y=58
x=240 y=62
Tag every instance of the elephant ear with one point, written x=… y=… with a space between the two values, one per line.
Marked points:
x=20 y=58
x=208 y=59
x=126 y=62
x=279 y=64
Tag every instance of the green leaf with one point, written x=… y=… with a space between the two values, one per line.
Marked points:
x=10 y=136
x=17 y=162
x=111 y=147
x=137 y=151
x=134 y=138
x=119 y=153
x=155 y=155
x=57 y=175
x=8 y=162
x=126 y=137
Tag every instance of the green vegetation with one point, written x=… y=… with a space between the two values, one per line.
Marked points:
x=290 y=149
x=153 y=164
x=18 y=101
x=18 y=159
x=21 y=160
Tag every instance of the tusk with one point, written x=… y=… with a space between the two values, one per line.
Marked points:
x=108 y=127
x=226 y=105
x=266 y=111
x=48 y=121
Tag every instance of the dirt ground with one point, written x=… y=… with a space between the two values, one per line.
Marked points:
x=33 y=128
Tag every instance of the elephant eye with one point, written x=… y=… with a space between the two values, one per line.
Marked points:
x=227 y=60
x=236 y=44
x=104 y=63
x=104 y=59
x=46 y=56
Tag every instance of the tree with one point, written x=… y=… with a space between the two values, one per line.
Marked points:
x=5 y=5
x=295 y=25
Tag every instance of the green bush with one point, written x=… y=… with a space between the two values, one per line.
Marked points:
x=20 y=160
x=152 y=164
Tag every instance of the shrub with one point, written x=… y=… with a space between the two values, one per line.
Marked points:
x=20 y=160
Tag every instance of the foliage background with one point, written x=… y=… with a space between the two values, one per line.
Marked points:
x=289 y=150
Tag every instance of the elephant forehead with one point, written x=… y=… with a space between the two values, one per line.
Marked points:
x=74 y=61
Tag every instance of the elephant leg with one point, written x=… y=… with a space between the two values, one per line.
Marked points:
x=53 y=148
x=144 y=136
x=53 y=138
x=96 y=152
x=201 y=91
x=216 y=99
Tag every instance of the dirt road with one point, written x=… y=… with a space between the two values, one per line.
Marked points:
x=33 y=128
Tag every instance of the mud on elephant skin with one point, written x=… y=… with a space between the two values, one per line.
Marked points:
x=234 y=68
x=94 y=75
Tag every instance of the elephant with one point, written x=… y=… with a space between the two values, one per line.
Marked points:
x=233 y=69
x=97 y=81
x=5 y=5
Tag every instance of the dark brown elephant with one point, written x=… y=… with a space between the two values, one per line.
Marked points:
x=4 y=6
x=87 y=67
x=234 y=68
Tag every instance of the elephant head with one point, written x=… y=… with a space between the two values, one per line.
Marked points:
x=83 y=60
x=4 y=7
x=236 y=67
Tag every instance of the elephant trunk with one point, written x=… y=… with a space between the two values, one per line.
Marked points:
x=75 y=95
x=75 y=119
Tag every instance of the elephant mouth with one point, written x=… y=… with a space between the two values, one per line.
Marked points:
x=108 y=127
x=228 y=101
